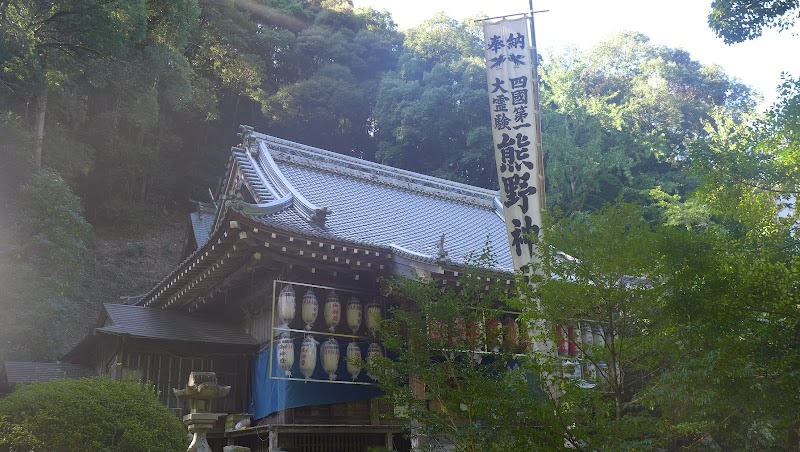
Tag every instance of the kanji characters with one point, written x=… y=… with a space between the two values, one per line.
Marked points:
x=520 y=234
x=495 y=43
x=514 y=42
x=500 y=103
x=517 y=189
x=501 y=121
x=498 y=86
x=514 y=153
x=518 y=82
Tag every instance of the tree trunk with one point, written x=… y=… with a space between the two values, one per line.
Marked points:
x=41 y=111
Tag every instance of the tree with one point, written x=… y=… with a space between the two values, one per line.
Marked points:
x=699 y=319
x=335 y=64
x=604 y=271
x=46 y=45
x=88 y=414
x=42 y=264
x=740 y=20
x=446 y=390
x=431 y=114
x=632 y=109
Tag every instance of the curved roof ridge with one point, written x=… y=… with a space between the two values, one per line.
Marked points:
x=275 y=177
x=296 y=153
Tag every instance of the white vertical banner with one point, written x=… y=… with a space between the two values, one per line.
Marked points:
x=511 y=84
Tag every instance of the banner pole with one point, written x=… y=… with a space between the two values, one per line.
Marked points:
x=537 y=106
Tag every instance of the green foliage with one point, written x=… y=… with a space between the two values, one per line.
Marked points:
x=606 y=269
x=15 y=162
x=40 y=267
x=700 y=318
x=431 y=114
x=97 y=414
x=619 y=120
x=58 y=235
x=446 y=390
x=742 y=20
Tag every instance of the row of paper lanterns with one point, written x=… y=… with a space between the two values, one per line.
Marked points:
x=332 y=311
x=572 y=342
x=571 y=338
x=329 y=356
x=494 y=334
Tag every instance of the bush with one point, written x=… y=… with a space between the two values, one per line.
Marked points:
x=58 y=234
x=90 y=414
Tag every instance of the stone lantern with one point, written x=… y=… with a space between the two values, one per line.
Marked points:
x=201 y=389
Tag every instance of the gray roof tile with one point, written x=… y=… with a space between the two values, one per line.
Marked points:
x=381 y=212
x=150 y=323
x=28 y=372
x=202 y=222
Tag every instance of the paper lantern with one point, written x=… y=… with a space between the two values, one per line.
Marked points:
x=286 y=305
x=561 y=344
x=330 y=357
x=589 y=372
x=373 y=317
x=353 y=360
x=459 y=335
x=574 y=337
x=333 y=311
x=599 y=336
x=570 y=368
x=308 y=356
x=510 y=335
x=310 y=309
x=436 y=329
x=354 y=314
x=602 y=373
x=374 y=351
x=286 y=355
x=586 y=334
x=494 y=334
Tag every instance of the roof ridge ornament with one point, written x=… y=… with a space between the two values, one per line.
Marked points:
x=320 y=215
x=256 y=210
x=246 y=135
x=441 y=255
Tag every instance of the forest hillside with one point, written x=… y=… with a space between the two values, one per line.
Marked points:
x=117 y=116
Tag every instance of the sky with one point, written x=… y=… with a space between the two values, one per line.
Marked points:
x=584 y=23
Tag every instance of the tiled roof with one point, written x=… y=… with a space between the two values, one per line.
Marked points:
x=28 y=372
x=150 y=323
x=202 y=222
x=382 y=206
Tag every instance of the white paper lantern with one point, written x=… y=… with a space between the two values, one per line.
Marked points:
x=589 y=372
x=602 y=374
x=286 y=355
x=570 y=368
x=599 y=336
x=333 y=311
x=586 y=334
x=353 y=360
x=310 y=309
x=286 y=305
x=308 y=356
x=373 y=317
x=354 y=314
x=330 y=357
x=374 y=351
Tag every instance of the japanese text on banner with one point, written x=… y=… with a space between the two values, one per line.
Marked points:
x=511 y=104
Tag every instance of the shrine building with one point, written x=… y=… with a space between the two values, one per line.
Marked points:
x=281 y=282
